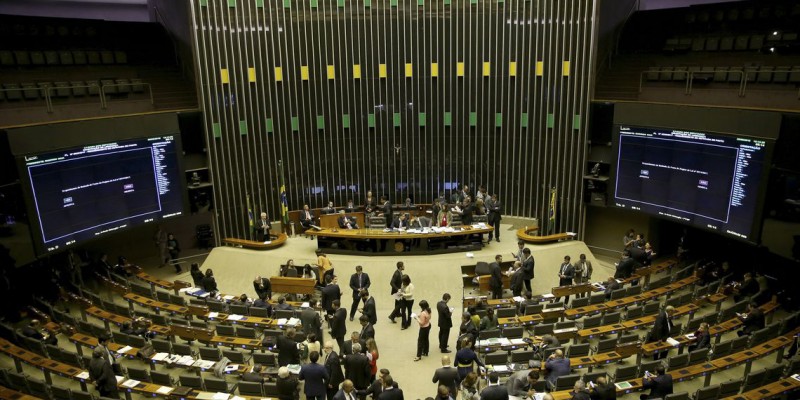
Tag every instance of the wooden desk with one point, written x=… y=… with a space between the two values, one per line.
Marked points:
x=491 y=303
x=20 y=355
x=573 y=313
x=769 y=390
x=80 y=339
x=526 y=236
x=242 y=343
x=330 y=221
x=246 y=320
x=154 y=304
x=118 y=320
x=10 y=394
x=532 y=319
x=483 y=282
x=153 y=281
x=562 y=291
x=357 y=241
x=277 y=241
x=284 y=284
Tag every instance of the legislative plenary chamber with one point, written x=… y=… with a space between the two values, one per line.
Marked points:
x=399 y=199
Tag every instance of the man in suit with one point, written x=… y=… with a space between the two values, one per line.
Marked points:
x=355 y=338
x=262 y=228
x=309 y=319
x=330 y=209
x=556 y=365
x=286 y=384
x=467 y=212
x=386 y=211
x=307 y=217
x=287 y=348
x=390 y=389
x=659 y=384
x=583 y=272
x=447 y=375
x=494 y=391
x=520 y=384
x=330 y=293
x=334 y=369
x=752 y=321
x=611 y=286
x=376 y=388
x=255 y=375
x=400 y=222
x=528 y=264
x=34 y=330
x=579 y=391
x=338 y=323
x=315 y=377
x=445 y=322
x=101 y=373
x=603 y=390
x=626 y=266
x=748 y=287
x=496 y=280
x=495 y=210
x=367 y=330
x=369 y=309
x=517 y=279
x=420 y=222
x=346 y=222
x=358 y=281
x=661 y=330
x=396 y=282
x=357 y=369
x=102 y=342
x=347 y=392
x=565 y=274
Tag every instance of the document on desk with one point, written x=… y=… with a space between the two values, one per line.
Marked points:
x=164 y=390
x=213 y=314
x=130 y=383
x=500 y=368
x=623 y=385
x=672 y=342
x=83 y=375
x=796 y=377
x=228 y=297
x=205 y=396
x=124 y=350
x=160 y=356
x=235 y=317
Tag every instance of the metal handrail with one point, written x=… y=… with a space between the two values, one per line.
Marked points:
x=103 y=91
x=48 y=96
x=690 y=77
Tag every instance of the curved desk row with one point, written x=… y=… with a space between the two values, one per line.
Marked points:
x=526 y=236
x=359 y=241
x=277 y=241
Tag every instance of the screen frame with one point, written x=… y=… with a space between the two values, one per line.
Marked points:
x=756 y=225
x=36 y=232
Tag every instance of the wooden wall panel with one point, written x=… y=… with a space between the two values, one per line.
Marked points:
x=354 y=130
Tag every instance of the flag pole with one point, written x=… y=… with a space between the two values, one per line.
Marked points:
x=284 y=203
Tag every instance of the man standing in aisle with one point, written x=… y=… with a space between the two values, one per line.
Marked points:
x=338 y=322
x=527 y=268
x=495 y=215
x=396 y=282
x=565 y=274
x=496 y=280
x=358 y=281
x=445 y=322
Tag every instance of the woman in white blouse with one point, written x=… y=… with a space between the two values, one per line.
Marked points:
x=407 y=301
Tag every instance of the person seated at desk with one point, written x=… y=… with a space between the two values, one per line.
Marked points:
x=659 y=384
x=548 y=342
x=350 y=207
x=330 y=209
x=35 y=330
x=579 y=391
x=307 y=217
x=262 y=302
x=602 y=390
x=139 y=327
x=408 y=204
x=255 y=375
x=346 y=222
x=400 y=223
x=752 y=320
x=420 y=222
x=747 y=288
x=611 y=285
x=701 y=337
x=123 y=267
x=283 y=305
x=369 y=204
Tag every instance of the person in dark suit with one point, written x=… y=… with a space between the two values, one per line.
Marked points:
x=34 y=330
x=702 y=339
x=309 y=319
x=255 y=375
x=447 y=375
x=661 y=330
x=260 y=285
x=101 y=373
x=367 y=330
x=286 y=385
x=346 y=222
x=307 y=217
x=330 y=293
x=358 y=281
x=357 y=368
x=400 y=222
x=329 y=209
x=659 y=384
x=315 y=377
x=495 y=209
x=556 y=365
x=521 y=383
x=603 y=390
x=611 y=285
x=496 y=280
x=517 y=279
x=338 y=323
x=752 y=320
x=445 y=322
x=287 y=349
x=262 y=228
x=748 y=287
x=386 y=211
x=369 y=309
x=579 y=391
x=528 y=264
x=390 y=389
x=467 y=212
x=494 y=391
x=396 y=282
x=626 y=266
x=334 y=369
x=209 y=283
x=347 y=392
x=565 y=274
x=355 y=338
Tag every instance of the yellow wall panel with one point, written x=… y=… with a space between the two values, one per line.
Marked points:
x=409 y=70
x=434 y=69
x=565 y=68
x=539 y=68
x=331 y=72
x=224 y=76
x=382 y=71
x=512 y=68
x=251 y=74
x=460 y=69
x=304 y=72
x=487 y=68
x=278 y=74
x=356 y=71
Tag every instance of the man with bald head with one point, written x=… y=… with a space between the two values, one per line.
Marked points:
x=556 y=365
x=347 y=392
x=447 y=376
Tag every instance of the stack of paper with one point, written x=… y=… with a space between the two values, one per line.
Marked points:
x=548 y=296
x=203 y=364
x=164 y=390
x=282 y=321
x=160 y=356
x=185 y=360
x=231 y=367
x=294 y=368
x=519 y=299
x=120 y=379
x=690 y=336
x=500 y=368
x=130 y=383
x=228 y=297
x=213 y=314
x=673 y=342
x=83 y=375
x=124 y=350
x=305 y=305
x=293 y=322
x=796 y=376
x=235 y=317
